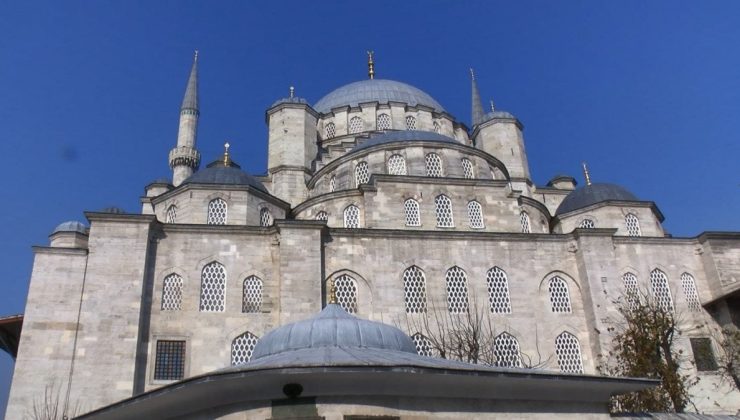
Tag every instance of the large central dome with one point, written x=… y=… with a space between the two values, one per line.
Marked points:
x=376 y=90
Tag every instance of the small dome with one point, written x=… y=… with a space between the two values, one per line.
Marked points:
x=293 y=100
x=498 y=114
x=333 y=327
x=592 y=194
x=161 y=180
x=218 y=173
x=113 y=210
x=405 y=135
x=71 y=226
x=376 y=90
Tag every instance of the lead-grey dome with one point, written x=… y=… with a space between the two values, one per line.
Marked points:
x=71 y=226
x=376 y=90
x=333 y=327
x=592 y=194
x=218 y=173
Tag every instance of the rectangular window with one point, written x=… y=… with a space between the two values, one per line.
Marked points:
x=169 y=364
x=703 y=354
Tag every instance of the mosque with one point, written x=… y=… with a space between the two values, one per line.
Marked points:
x=301 y=293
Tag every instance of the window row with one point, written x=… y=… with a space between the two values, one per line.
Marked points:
x=218 y=213
x=212 y=291
x=396 y=165
x=382 y=122
x=631 y=221
x=661 y=291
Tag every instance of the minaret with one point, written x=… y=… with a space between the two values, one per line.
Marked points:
x=184 y=158
x=477 y=107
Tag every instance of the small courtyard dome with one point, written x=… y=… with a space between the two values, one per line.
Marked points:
x=229 y=174
x=71 y=226
x=376 y=90
x=592 y=194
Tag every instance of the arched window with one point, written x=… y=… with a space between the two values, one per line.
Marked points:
x=689 y=289
x=507 y=352
x=213 y=288
x=362 y=175
x=242 y=348
x=217 y=212
x=411 y=208
x=633 y=225
x=661 y=291
x=568 y=351
x=332 y=183
x=467 y=166
x=559 y=296
x=356 y=125
x=493 y=173
x=330 y=130
x=171 y=216
x=587 y=224
x=443 y=207
x=345 y=290
x=437 y=127
x=475 y=215
x=415 y=290
x=172 y=293
x=434 y=165
x=322 y=215
x=457 y=290
x=397 y=165
x=631 y=291
x=352 y=217
x=252 y=296
x=423 y=345
x=524 y=222
x=410 y=123
x=498 y=291
x=384 y=122
x=265 y=217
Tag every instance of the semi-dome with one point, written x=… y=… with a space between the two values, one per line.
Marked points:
x=592 y=194
x=403 y=135
x=70 y=226
x=333 y=327
x=219 y=173
x=376 y=90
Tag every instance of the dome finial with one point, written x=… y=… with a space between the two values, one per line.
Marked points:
x=370 y=65
x=493 y=108
x=586 y=174
x=332 y=292
x=292 y=92
x=227 y=158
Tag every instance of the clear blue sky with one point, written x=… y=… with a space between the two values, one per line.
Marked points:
x=647 y=92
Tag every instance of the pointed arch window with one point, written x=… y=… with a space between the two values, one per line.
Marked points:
x=252 y=295
x=498 y=291
x=265 y=217
x=587 y=224
x=475 y=215
x=689 y=290
x=415 y=290
x=384 y=122
x=423 y=345
x=467 y=166
x=330 y=131
x=631 y=291
x=362 y=174
x=171 y=216
x=410 y=123
x=559 y=296
x=633 y=225
x=443 y=207
x=356 y=125
x=345 y=289
x=332 y=183
x=434 y=165
x=172 y=293
x=524 y=222
x=457 y=290
x=322 y=215
x=352 y=217
x=437 y=127
x=661 y=290
x=568 y=350
x=506 y=350
x=411 y=208
x=397 y=165
x=217 y=212
x=242 y=348
x=213 y=288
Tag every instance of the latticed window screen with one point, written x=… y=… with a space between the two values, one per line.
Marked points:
x=423 y=345
x=171 y=216
x=265 y=217
x=457 y=290
x=661 y=290
x=443 y=207
x=633 y=225
x=415 y=290
x=568 y=351
x=703 y=354
x=559 y=296
x=322 y=215
x=631 y=290
x=252 y=296
x=434 y=165
x=467 y=166
x=437 y=127
x=524 y=222
x=169 y=361
x=498 y=291
x=689 y=290
x=397 y=165
x=172 y=293
x=507 y=352
x=217 y=212
x=242 y=348
x=330 y=131
x=411 y=208
x=332 y=183
x=410 y=123
x=384 y=122
x=213 y=288
x=345 y=290
x=475 y=215
x=587 y=224
x=352 y=217
x=362 y=175
x=355 y=125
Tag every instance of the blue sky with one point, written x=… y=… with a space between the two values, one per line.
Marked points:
x=647 y=92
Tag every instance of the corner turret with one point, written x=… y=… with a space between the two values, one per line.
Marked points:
x=184 y=158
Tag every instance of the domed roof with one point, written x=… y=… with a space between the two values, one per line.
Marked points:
x=71 y=226
x=591 y=194
x=498 y=114
x=219 y=173
x=289 y=100
x=113 y=210
x=333 y=327
x=375 y=90
x=403 y=135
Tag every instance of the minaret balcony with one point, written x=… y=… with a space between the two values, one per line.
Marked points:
x=185 y=156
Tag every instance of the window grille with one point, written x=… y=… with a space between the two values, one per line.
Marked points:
x=559 y=296
x=265 y=217
x=362 y=175
x=169 y=362
x=352 y=217
x=633 y=225
x=213 y=288
x=443 y=207
x=703 y=354
x=410 y=123
x=631 y=290
x=437 y=127
x=524 y=222
x=467 y=166
x=411 y=208
x=434 y=165
x=322 y=215
x=507 y=352
x=252 y=297
x=384 y=122
x=330 y=131
x=171 y=216
x=332 y=183
x=172 y=293
x=498 y=291
x=689 y=289
x=423 y=345
x=457 y=290
x=356 y=125
x=475 y=215
x=345 y=290
x=415 y=290
x=661 y=290
x=397 y=165
x=568 y=351
x=587 y=224
x=217 y=210
x=242 y=348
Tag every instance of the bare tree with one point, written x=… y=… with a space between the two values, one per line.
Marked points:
x=728 y=359
x=50 y=406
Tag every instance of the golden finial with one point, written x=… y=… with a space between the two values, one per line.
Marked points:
x=586 y=174
x=370 y=65
x=493 y=109
x=227 y=159
x=472 y=74
x=332 y=292
x=292 y=92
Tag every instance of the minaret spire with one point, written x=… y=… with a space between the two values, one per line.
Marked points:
x=586 y=174
x=370 y=65
x=184 y=158
x=477 y=107
x=190 y=101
